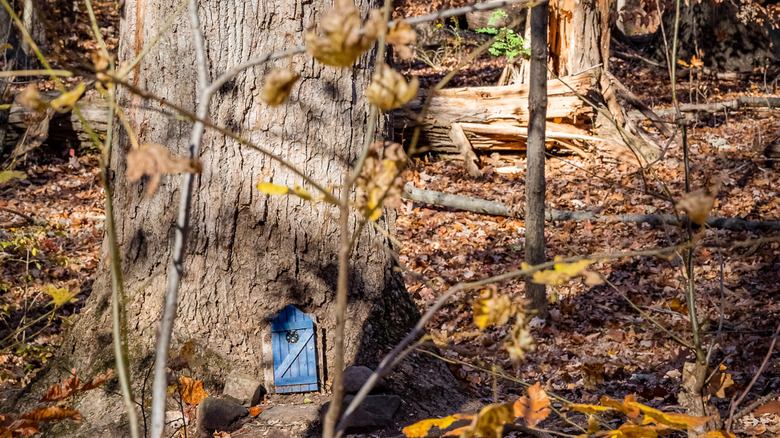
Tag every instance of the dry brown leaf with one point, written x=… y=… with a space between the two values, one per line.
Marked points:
x=184 y=358
x=720 y=385
x=337 y=39
x=52 y=413
x=278 y=85
x=99 y=61
x=534 y=408
x=519 y=341
x=698 y=204
x=592 y=374
x=400 y=36
x=155 y=160
x=491 y=308
x=59 y=392
x=192 y=391
x=389 y=89
x=378 y=178
x=30 y=98
x=771 y=407
x=490 y=421
x=97 y=381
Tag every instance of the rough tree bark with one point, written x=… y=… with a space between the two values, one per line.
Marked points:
x=535 y=187
x=248 y=255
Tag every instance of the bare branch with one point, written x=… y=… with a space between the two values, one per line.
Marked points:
x=175 y=272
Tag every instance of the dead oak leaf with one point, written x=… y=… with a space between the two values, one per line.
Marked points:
x=699 y=203
x=534 y=408
x=97 y=381
x=52 y=413
x=59 y=392
x=155 y=160
x=192 y=391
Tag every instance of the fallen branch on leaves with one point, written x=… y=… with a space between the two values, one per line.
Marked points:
x=714 y=107
x=495 y=208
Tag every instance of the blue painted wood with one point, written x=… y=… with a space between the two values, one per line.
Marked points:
x=295 y=364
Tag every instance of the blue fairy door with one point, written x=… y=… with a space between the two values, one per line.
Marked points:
x=295 y=359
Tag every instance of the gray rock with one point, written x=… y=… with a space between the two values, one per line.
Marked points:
x=308 y=413
x=375 y=411
x=216 y=414
x=241 y=387
x=356 y=376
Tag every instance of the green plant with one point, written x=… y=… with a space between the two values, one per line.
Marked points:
x=508 y=43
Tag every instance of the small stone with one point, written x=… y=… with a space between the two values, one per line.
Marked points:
x=241 y=387
x=174 y=420
x=375 y=411
x=356 y=376
x=216 y=414
x=307 y=414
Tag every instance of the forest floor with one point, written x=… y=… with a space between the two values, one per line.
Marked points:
x=594 y=343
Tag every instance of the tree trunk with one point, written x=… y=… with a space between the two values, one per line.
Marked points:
x=724 y=35
x=249 y=255
x=535 y=187
x=579 y=41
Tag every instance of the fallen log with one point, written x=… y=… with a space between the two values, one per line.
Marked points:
x=715 y=107
x=64 y=130
x=496 y=109
x=495 y=208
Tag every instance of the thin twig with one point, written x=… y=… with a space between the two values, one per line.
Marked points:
x=345 y=246
x=29 y=219
x=118 y=316
x=176 y=270
x=755 y=378
x=758 y=402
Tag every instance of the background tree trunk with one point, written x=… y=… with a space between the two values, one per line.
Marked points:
x=535 y=187
x=724 y=35
x=579 y=41
x=248 y=255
